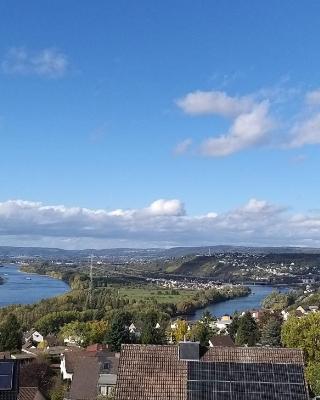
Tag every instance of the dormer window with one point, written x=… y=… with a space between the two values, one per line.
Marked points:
x=106 y=365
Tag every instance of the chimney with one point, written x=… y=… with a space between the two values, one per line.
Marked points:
x=189 y=351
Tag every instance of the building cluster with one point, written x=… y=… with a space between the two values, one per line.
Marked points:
x=193 y=284
x=185 y=371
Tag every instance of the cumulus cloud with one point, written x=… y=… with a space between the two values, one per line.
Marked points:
x=247 y=130
x=256 y=119
x=48 y=62
x=214 y=102
x=306 y=132
x=162 y=223
x=166 y=208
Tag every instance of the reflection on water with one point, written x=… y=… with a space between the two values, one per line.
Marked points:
x=254 y=300
x=24 y=288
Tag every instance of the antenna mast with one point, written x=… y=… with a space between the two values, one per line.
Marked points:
x=91 y=281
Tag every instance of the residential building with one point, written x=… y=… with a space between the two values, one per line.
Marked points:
x=189 y=372
x=91 y=372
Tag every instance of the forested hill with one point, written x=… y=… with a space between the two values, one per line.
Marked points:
x=238 y=267
x=152 y=253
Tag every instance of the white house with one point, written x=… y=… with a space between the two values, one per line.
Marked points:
x=33 y=336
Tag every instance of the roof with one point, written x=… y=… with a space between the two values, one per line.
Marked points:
x=90 y=369
x=9 y=382
x=151 y=372
x=85 y=379
x=30 y=393
x=222 y=340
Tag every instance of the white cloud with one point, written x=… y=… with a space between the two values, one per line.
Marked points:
x=313 y=97
x=247 y=130
x=214 y=102
x=48 y=62
x=183 y=147
x=306 y=132
x=163 y=223
x=166 y=208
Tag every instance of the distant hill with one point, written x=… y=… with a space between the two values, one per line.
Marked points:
x=152 y=253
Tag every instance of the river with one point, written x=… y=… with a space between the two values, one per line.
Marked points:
x=24 y=288
x=253 y=301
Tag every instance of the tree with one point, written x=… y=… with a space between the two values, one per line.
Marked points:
x=303 y=333
x=118 y=331
x=313 y=377
x=277 y=301
x=85 y=333
x=201 y=332
x=10 y=334
x=151 y=333
x=233 y=327
x=271 y=333
x=43 y=345
x=247 y=333
x=180 y=331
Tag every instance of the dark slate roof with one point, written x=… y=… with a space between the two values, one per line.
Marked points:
x=148 y=372
x=87 y=367
x=9 y=382
x=222 y=340
x=85 y=379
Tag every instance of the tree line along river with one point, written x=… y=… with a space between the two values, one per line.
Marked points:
x=25 y=288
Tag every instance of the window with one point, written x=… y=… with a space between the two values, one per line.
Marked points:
x=106 y=365
x=107 y=390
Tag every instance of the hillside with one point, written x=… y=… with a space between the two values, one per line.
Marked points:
x=239 y=267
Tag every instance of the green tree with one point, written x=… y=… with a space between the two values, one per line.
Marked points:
x=85 y=333
x=248 y=332
x=313 y=377
x=201 y=332
x=151 y=332
x=277 y=301
x=118 y=330
x=271 y=333
x=233 y=327
x=303 y=333
x=10 y=334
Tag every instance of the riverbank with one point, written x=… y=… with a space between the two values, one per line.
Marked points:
x=251 y=302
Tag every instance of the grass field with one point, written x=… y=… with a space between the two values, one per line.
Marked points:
x=161 y=295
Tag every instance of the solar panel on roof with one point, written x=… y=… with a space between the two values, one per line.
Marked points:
x=6 y=375
x=257 y=381
x=5 y=382
x=6 y=368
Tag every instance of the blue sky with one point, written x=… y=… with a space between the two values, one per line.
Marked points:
x=209 y=106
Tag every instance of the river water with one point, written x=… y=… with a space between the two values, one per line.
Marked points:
x=24 y=288
x=253 y=301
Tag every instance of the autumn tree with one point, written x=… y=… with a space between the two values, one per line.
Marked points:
x=180 y=331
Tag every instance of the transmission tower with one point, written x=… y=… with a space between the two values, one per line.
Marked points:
x=91 y=281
